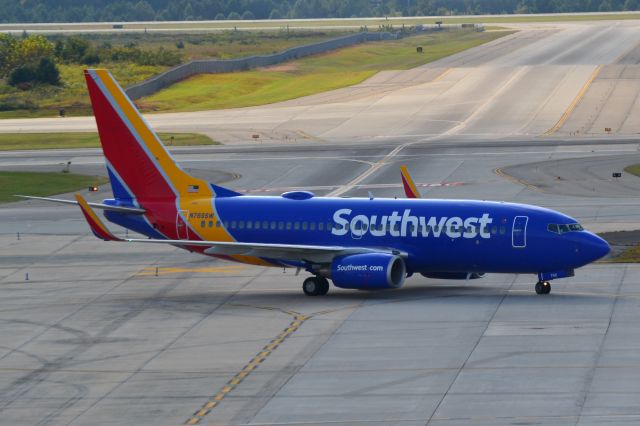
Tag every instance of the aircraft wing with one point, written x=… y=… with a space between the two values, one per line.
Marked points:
x=309 y=253
x=302 y=252
x=119 y=209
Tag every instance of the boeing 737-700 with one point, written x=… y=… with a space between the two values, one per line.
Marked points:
x=357 y=243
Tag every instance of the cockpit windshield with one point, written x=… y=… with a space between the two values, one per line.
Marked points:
x=564 y=228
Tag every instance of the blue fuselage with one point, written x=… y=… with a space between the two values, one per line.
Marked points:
x=434 y=235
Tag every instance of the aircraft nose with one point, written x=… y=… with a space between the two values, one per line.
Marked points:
x=593 y=247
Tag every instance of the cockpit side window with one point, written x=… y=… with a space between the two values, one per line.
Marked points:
x=564 y=228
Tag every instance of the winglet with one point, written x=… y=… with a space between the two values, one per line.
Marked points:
x=410 y=189
x=96 y=225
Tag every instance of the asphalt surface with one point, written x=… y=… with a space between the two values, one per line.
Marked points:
x=107 y=333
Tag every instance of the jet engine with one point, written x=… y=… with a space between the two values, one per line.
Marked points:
x=368 y=271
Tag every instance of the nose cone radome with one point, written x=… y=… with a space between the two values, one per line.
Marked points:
x=593 y=247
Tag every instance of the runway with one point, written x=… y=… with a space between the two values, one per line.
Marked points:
x=105 y=333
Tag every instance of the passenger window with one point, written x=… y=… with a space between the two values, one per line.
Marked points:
x=312 y=226
x=217 y=224
x=202 y=224
x=273 y=225
x=233 y=224
x=304 y=226
x=265 y=224
x=280 y=226
x=249 y=224
x=321 y=226
x=329 y=226
x=288 y=226
x=226 y=224
x=357 y=226
x=436 y=228
x=257 y=224
x=494 y=230
x=210 y=224
x=241 y=224
x=296 y=225
x=503 y=230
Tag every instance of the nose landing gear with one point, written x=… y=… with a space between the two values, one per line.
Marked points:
x=543 y=287
x=315 y=286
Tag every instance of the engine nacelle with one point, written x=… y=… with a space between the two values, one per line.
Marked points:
x=453 y=275
x=368 y=271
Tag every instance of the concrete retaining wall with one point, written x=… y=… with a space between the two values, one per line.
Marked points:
x=212 y=66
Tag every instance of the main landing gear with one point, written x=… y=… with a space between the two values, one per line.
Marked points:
x=315 y=286
x=543 y=287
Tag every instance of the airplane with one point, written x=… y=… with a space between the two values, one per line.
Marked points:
x=357 y=243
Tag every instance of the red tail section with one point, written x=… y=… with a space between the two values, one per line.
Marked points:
x=138 y=162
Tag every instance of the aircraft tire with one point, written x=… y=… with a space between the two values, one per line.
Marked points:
x=324 y=286
x=543 y=287
x=313 y=286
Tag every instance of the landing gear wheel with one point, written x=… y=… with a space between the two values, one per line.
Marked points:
x=324 y=286
x=543 y=287
x=315 y=286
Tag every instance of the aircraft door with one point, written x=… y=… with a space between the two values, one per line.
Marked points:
x=359 y=227
x=519 y=232
x=182 y=229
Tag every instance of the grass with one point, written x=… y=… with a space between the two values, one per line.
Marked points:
x=14 y=141
x=333 y=70
x=634 y=169
x=43 y=184
x=630 y=255
x=46 y=100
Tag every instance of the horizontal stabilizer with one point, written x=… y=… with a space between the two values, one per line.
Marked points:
x=96 y=225
x=119 y=209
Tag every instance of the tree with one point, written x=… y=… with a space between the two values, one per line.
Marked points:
x=8 y=53
x=248 y=16
x=47 y=72
x=143 y=11
x=22 y=76
x=234 y=16
x=75 y=49
x=31 y=49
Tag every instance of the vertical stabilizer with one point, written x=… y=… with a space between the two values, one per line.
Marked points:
x=139 y=165
x=410 y=189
